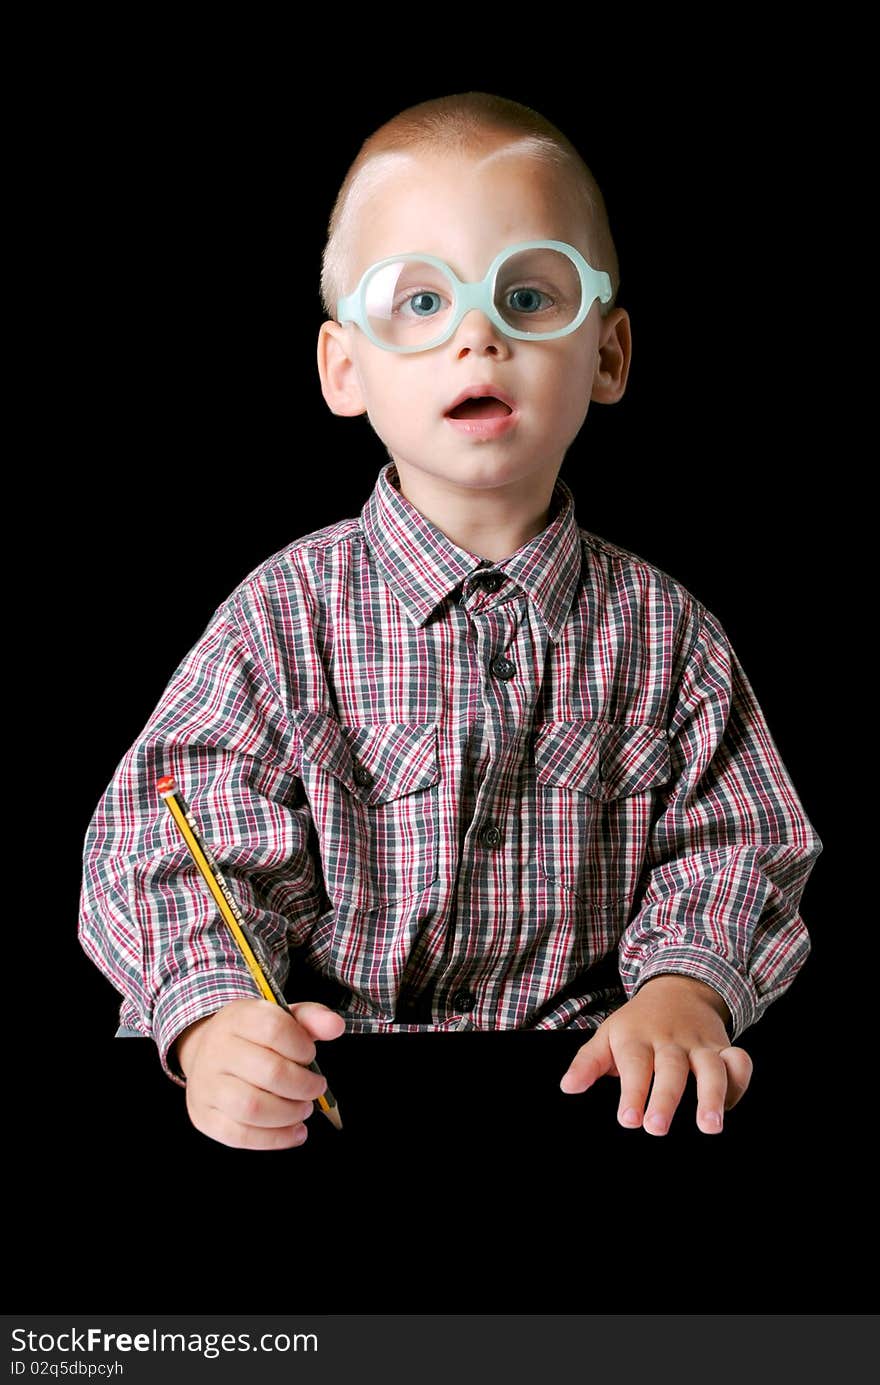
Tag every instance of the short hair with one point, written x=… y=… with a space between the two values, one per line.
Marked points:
x=463 y=123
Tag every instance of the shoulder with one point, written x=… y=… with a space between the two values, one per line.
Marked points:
x=624 y=568
x=294 y=565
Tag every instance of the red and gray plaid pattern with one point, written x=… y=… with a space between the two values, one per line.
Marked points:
x=479 y=795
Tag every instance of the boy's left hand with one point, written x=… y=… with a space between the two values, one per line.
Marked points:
x=672 y=1026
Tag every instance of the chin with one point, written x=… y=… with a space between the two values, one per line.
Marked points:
x=481 y=470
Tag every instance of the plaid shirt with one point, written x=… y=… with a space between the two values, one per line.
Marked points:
x=476 y=795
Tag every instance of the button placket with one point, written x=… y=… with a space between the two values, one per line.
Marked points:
x=494 y=626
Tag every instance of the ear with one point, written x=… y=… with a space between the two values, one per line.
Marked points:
x=340 y=381
x=615 y=354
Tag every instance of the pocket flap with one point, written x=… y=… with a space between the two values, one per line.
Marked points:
x=376 y=763
x=324 y=744
x=600 y=758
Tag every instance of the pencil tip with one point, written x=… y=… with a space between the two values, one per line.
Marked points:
x=334 y=1117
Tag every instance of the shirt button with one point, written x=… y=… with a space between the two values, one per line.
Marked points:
x=491 y=582
x=502 y=668
x=491 y=835
x=463 y=1000
x=362 y=775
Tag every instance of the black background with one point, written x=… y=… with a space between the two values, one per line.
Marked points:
x=191 y=441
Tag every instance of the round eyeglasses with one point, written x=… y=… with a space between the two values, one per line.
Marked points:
x=536 y=290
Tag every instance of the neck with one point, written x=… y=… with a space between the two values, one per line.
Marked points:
x=490 y=524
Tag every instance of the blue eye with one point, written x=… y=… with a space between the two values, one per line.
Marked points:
x=421 y=305
x=530 y=295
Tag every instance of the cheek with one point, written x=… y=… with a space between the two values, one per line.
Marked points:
x=396 y=399
x=566 y=390
x=397 y=410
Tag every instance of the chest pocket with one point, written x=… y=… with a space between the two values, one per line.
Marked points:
x=596 y=782
x=374 y=799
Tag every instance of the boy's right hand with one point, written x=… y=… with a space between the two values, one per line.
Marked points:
x=248 y=1083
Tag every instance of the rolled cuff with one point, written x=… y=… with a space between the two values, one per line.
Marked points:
x=703 y=964
x=191 y=998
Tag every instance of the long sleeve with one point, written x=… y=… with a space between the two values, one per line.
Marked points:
x=730 y=849
x=146 y=917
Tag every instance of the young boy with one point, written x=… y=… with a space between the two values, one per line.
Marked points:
x=473 y=765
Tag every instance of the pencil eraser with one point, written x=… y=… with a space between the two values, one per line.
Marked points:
x=165 y=784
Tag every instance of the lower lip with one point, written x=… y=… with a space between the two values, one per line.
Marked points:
x=485 y=427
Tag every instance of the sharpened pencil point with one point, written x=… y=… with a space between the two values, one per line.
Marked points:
x=334 y=1117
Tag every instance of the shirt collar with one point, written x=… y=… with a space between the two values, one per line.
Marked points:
x=422 y=565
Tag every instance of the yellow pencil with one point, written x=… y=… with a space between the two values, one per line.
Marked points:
x=233 y=917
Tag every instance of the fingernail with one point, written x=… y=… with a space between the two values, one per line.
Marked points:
x=657 y=1124
x=713 y=1118
x=631 y=1116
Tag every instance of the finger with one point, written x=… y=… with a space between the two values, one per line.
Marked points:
x=273 y=1026
x=249 y=1105
x=711 y=1075
x=671 y=1069
x=739 y=1073
x=589 y=1063
x=268 y=1070
x=635 y=1064
x=231 y=1132
x=319 y=1020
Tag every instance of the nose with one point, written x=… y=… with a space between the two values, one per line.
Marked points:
x=475 y=332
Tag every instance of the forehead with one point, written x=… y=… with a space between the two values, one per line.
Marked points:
x=465 y=208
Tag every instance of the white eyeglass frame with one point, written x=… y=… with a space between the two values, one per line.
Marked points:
x=595 y=283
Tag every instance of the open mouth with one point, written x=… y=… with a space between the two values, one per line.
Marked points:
x=487 y=406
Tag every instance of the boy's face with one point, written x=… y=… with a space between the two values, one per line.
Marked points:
x=465 y=210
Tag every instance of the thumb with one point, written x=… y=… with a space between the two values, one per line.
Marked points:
x=319 y=1021
x=589 y=1063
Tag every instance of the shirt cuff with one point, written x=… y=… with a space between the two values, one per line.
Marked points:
x=705 y=965
x=191 y=998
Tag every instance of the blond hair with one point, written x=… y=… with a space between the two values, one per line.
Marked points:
x=464 y=123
